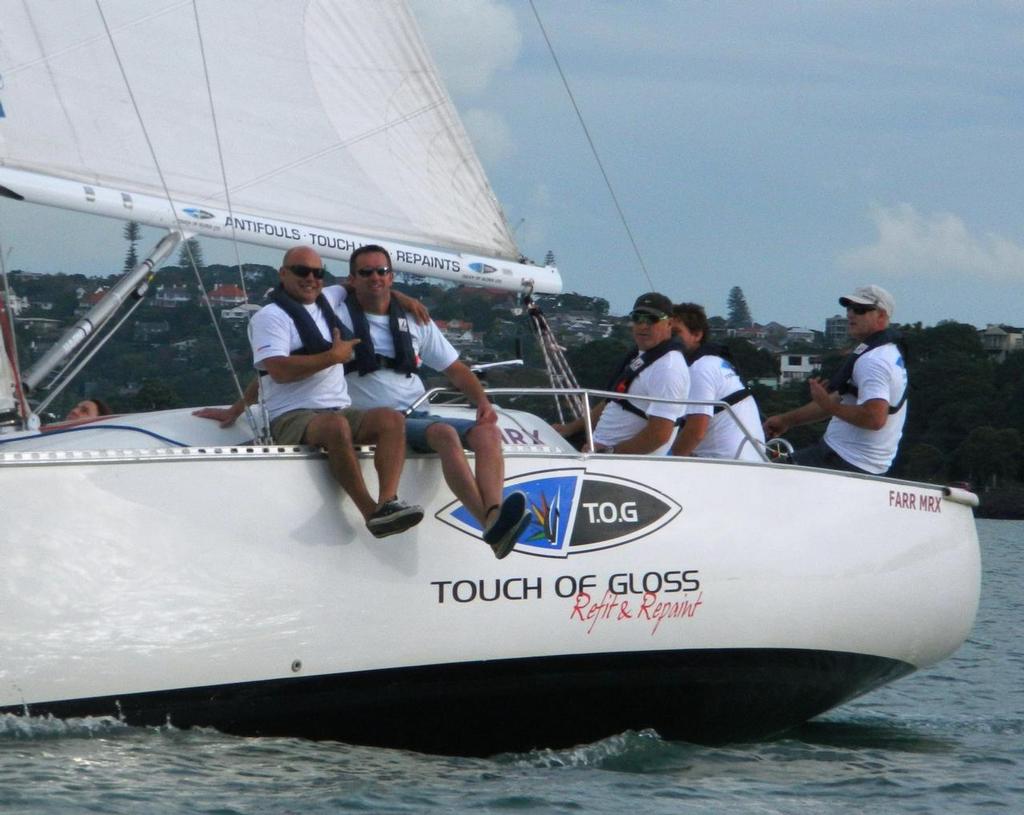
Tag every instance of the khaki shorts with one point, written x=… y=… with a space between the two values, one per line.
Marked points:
x=290 y=427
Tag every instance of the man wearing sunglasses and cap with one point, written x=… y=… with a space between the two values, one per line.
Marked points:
x=655 y=367
x=298 y=343
x=866 y=400
x=384 y=373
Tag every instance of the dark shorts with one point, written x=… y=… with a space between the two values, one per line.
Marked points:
x=417 y=422
x=290 y=427
x=821 y=455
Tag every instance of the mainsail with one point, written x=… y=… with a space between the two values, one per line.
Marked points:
x=273 y=121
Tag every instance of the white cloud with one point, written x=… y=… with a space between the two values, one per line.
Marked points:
x=490 y=134
x=470 y=40
x=940 y=244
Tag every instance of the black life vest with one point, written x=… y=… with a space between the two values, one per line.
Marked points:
x=842 y=381
x=366 y=360
x=313 y=341
x=635 y=362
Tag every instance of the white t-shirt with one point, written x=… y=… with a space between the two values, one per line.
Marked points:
x=666 y=378
x=712 y=378
x=879 y=374
x=389 y=388
x=273 y=334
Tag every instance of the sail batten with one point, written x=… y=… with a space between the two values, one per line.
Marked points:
x=329 y=113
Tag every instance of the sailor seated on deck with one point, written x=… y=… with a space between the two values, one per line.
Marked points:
x=383 y=373
x=389 y=349
x=707 y=431
x=866 y=399
x=297 y=341
x=655 y=367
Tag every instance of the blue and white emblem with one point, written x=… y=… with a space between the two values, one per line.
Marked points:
x=573 y=512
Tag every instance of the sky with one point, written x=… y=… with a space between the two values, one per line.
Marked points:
x=794 y=149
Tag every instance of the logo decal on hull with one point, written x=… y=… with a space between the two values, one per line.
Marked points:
x=573 y=512
x=195 y=212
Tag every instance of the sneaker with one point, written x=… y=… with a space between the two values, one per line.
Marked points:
x=511 y=520
x=393 y=517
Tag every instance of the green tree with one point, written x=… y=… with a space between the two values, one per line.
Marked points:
x=549 y=258
x=132 y=233
x=190 y=253
x=739 y=311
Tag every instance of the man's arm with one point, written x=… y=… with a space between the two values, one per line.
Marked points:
x=805 y=414
x=466 y=381
x=578 y=425
x=296 y=367
x=653 y=435
x=869 y=415
x=227 y=416
x=691 y=435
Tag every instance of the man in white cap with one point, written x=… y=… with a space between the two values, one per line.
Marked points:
x=866 y=399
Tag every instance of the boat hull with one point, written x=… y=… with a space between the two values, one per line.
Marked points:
x=235 y=587
x=482 y=708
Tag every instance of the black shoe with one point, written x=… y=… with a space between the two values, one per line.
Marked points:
x=512 y=519
x=393 y=517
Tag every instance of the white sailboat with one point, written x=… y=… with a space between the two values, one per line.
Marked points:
x=159 y=568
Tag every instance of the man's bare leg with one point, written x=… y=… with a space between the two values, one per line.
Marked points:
x=332 y=431
x=444 y=439
x=385 y=429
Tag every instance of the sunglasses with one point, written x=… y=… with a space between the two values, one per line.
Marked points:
x=383 y=271
x=860 y=310
x=305 y=271
x=645 y=318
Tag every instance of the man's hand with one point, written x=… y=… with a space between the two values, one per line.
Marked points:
x=412 y=306
x=485 y=412
x=225 y=416
x=775 y=426
x=342 y=350
x=820 y=394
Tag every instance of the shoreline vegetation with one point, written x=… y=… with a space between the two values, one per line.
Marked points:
x=965 y=420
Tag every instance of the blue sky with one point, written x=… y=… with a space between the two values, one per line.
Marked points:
x=795 y=149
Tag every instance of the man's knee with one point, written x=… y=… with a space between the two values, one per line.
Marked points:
x=484 y=436
x=441 y=436
x=329 y=429
x=379 y=422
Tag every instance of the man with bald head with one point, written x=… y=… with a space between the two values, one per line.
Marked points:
x=299 y=349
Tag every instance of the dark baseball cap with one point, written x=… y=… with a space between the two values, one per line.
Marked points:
x=653 y=303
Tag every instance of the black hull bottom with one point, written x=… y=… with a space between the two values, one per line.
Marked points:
x=483 y=708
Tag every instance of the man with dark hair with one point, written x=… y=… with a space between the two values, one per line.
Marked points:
x=707 y=431
x=89 y=409
x=655 y=367
x=297 y=342
x=866 y=400
x=384 y=373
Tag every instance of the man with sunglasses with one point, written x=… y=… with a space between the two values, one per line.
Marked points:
x=383 y=373
x=297 y=342
x=655 y=367
x=866 y=399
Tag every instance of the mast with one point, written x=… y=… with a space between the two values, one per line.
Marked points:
x=133 y=284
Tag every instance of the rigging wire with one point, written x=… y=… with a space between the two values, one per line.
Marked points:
x=167 y=192
x=593 y=147
x=220 y=150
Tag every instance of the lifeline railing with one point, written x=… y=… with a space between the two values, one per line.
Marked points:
x=586 y=394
